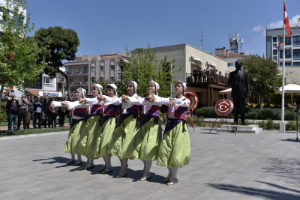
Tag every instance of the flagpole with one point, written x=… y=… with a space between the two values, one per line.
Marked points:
x=282 y=124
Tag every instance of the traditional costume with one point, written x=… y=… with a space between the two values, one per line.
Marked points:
x=174 y=151
x=122 y=144
x=91 y=128
x=108 y=125
x=149 y=135
x=79 y=114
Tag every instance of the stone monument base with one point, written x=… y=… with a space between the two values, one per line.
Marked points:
x=241 y=128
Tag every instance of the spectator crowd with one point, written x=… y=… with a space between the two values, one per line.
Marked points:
x=36 y=110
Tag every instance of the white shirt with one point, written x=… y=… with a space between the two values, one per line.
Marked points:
x=110 y=101
x=183 y=101
x=93 y=101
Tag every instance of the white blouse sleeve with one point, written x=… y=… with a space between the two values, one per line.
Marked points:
x=76 y=104
x=112 y=100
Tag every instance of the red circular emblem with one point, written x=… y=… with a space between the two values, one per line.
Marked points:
x=192 y=96
x=223 y=107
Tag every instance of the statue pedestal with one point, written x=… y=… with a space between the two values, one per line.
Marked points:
x=242 y=128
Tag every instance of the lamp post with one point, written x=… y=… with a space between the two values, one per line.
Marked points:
x=121 y=66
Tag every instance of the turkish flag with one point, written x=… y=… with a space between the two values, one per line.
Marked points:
x=286 y=22
x=280 y=45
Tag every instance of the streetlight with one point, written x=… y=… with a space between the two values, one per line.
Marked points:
x=122 y=66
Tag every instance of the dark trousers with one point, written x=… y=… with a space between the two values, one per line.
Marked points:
x=12 y=118
x=53 y=120
x=239 y=104
x=70 y=120
x=22 y=115
x=195 y=78
x=47 y=119
x=61 y=120
x=39 y=117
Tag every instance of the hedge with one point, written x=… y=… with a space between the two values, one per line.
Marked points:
x=251 y=113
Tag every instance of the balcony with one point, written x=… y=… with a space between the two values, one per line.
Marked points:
x=79 y=83
x=85 y=72
x=215 y=79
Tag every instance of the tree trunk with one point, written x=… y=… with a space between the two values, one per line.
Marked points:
x=67 y=82
x=1 y=92
x=261 y=101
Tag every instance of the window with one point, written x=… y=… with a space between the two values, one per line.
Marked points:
x=296 y=40
x=287 y=40
x=296 y=63
x=47 y=80
x=287 y=64
x=296 y=53
x=275 y=58
x=274 y=39
x=112 y=78
x=102 y=68
x=230 y=64
x=275 y=52
x=93 y=69
x=101 y=78
x=71 y=80
x=287 y=53
x=112 y=68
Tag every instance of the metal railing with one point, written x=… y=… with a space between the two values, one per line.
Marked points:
x=207 y=78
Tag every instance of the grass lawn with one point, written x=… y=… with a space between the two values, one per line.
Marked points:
x=33 y=131
x=31 y=122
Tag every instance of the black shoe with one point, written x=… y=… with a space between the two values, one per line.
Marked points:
x=244 y=123
x=235 y=123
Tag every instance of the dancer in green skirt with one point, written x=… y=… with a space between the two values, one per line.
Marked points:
x=78 y=123
x=105 y=133
x=92 y=125
x=149 y=135
x=122 y=144
x=175 y=151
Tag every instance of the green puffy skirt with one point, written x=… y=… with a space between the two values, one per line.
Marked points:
x=71 y=146
x=89 y=136
x=104 y=138
x=148 y=139
x=175 y=149
x=122 y=144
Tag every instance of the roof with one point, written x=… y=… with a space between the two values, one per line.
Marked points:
x=36 y=92
x=233 y=55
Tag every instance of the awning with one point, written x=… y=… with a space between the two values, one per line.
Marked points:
x=212 y=64
x=126 y=61
x=197 y=59
x=227 y=91
x=290 y=88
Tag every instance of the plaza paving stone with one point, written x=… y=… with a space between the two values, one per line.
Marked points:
x=223 y=166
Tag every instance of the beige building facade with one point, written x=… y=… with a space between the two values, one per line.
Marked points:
x=88 y=69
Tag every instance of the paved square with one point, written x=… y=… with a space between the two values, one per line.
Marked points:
x=223 y=166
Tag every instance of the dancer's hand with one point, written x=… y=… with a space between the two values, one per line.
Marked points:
x=151 y=98
x=100 y=97
x=64 y=103
x=172 y=103
x=82 y=100
x=125 y=99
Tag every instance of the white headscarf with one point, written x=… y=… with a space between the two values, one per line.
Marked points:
x=83 y=91
x=183 y=84
x=135 y=85
x=99 y=87
x=114 y=87
x=156 y=86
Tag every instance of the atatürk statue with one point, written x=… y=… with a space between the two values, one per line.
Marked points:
x=239 y=80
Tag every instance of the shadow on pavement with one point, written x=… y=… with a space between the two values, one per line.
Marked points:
x=255 y=192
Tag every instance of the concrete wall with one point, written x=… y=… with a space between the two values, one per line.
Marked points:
x=294 y=77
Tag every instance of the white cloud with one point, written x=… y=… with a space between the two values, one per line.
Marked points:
x=279 y=23
x=258 y=28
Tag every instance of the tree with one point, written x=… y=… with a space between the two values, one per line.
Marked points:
x=144 y=67
x=61 y=44
x=18 y=54
x=263 y=75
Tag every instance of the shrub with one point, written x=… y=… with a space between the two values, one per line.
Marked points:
x=262 y=124
x=291 y=125
x=270 y=124
x=289 y=115
x=207 y=112
x=270 y=113
x=3 y=114
x=252 y=115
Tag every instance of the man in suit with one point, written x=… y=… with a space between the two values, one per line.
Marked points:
x=239 y=80
x=47 y=113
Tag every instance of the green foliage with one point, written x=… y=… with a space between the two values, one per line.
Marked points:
x=262 y=124
x=3 y=114
x=291 y=125
x=61 y=44
x=289 y=115
x=270 y=113
x=144 y=67
x=262 y=74
x=207 y=112
x=269 y=124
x=252 y=115
x=18 y=54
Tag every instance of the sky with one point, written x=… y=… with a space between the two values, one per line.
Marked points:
x=112 y=25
